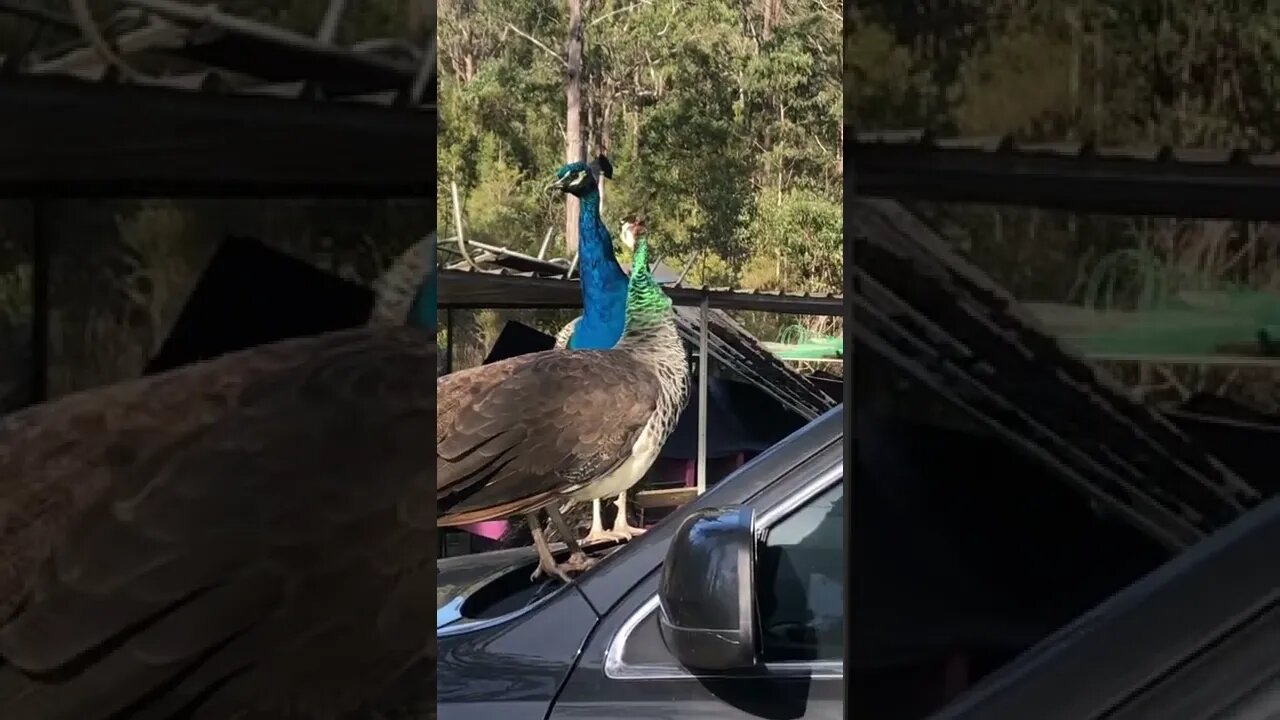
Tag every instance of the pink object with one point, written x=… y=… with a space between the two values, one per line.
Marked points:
x=690 y=474
x=491 y=529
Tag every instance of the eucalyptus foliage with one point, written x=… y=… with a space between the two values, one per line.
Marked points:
x=723 y=120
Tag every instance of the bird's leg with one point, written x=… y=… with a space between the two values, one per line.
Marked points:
x=546 y=561
x=578 y=560
x=620 y=526
x=598 y=533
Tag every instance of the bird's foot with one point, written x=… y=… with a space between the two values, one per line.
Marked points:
x=623 y=531
x=549 y=571
x=601 y=535
x=577 y=563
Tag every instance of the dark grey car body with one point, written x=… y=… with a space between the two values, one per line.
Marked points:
x=592 y=649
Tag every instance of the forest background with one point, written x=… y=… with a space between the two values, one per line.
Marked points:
x=722 y=119
x=724 y=122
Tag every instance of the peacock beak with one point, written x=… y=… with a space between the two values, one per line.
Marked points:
x=570 y=181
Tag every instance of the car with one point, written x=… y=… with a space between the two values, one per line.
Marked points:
x=1197 y=639
x=704 y=616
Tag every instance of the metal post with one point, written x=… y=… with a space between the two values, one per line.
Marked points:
x=702 y=393
x=332 y=18
x=40 y=308
x=426 y=72
x=448 y=356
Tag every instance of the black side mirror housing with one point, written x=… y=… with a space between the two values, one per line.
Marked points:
x=707 y=593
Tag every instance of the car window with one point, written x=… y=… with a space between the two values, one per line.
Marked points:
x=800 y=583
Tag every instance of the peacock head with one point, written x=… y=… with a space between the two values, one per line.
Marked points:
x=406 y=291
x=647 y=304
x=579 y=178
x=632 y=228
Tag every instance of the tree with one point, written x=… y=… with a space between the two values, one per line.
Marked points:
x=573 y=148
x=723 y=135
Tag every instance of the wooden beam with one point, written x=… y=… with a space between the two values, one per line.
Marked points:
x=62 y=137
x=464 y=289
x=672 y=497
x=41 y=212
x=1164 y=182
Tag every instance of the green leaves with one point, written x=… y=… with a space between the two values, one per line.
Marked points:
x=706 y=119
x=806 y=228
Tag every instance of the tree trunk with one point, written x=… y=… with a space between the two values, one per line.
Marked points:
x=573 y=150
x=772 y=18
x=606 y=144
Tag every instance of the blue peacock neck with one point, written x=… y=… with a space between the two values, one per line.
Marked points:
x=423 y=311
x=604 y=285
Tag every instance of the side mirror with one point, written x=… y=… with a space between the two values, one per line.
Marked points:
x=707 y=595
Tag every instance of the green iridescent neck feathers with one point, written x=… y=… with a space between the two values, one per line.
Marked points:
x=647 y=304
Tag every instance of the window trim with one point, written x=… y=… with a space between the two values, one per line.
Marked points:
x=1219 y=666
x=617 y=669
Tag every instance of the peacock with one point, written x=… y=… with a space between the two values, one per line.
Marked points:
x=251 y=536
x=604 y=298
x=533 y=431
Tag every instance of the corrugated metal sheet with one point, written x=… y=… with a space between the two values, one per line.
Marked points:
x=1008 y=144
x=931 y=313
x=1073 y=176
x=738 y=350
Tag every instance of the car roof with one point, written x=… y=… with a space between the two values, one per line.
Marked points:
x=1109 y=656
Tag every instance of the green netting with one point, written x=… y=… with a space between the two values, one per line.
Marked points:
x=797 y=342
x=1173 y=311
x=1181 y=332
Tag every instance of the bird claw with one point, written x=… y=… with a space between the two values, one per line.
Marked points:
x=555 y=570
x=601 y=536
x=577 y=563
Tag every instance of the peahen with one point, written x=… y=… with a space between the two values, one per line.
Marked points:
x=621 y=530
x=251 y=536
x=533 y=431
x=604 y=298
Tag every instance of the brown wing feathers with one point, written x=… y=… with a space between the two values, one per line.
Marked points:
x=513 y=436
x=221 y=535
